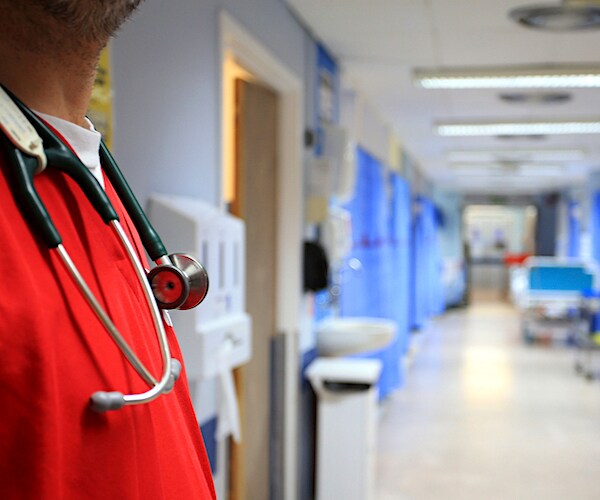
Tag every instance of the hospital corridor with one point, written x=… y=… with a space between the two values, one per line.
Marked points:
x=300 y=249
x=485 y=416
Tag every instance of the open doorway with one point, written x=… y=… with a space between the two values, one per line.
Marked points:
x=267 y=193
x=252 y=195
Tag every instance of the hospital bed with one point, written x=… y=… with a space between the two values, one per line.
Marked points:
x=550 y=297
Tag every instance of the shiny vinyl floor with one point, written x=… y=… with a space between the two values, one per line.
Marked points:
x=483 y=416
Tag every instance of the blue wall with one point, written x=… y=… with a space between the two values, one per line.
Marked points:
x=167 y=85
x=595 y=225
x=573 y=229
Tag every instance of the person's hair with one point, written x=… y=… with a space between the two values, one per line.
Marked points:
x=90 y=19
x=44 y=22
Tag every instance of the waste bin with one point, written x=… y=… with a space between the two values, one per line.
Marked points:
x=346 y=426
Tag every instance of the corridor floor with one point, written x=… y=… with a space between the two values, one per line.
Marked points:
x=484 y=417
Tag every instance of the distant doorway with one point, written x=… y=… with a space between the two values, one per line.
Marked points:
x=493 y=233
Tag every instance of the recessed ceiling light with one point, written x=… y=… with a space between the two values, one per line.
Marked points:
x=522 y=137
x=569 y=16
x=535 y=97
x=519 y=128
x=505 y=78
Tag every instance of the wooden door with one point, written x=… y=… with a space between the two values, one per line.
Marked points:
x=256 y=201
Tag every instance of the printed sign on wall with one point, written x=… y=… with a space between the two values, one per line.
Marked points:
x=327 y=87
x=100 y=109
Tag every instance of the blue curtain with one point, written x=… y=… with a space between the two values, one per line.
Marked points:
x=574 y=230
x=412 y=273
x=595 y=229
x=400 y=256
x=426 y=264
x=380 y=227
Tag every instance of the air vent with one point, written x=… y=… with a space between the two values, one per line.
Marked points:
x=570 y=16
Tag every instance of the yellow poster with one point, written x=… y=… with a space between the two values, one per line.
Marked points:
x=100 y=110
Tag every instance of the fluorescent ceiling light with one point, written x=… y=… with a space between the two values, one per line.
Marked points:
x=519 y=128
x=520 y=155
x=495 y=169
x=479 y=167
x=505 y=78
x=462 y=171
x=541 y=170
x=496 y=174
x=485 y=183
x=505 y=166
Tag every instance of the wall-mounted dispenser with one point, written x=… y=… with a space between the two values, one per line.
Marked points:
x=340 y=151
x=332 y=173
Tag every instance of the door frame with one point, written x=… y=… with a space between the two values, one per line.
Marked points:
x=236 y=41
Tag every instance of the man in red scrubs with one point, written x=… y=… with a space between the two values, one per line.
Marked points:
x=54 y=353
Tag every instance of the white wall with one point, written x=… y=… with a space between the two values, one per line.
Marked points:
x=451 y=241
x=364 y=123
x=488 y=221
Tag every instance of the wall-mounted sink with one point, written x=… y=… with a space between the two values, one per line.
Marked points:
x=345 y=336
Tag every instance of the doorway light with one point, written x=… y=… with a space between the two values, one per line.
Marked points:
x=519 y=128
x=506 y=78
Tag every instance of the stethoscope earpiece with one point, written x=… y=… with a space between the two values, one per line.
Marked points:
x=103 y=401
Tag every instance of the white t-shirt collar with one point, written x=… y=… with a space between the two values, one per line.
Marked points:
x=84 y=141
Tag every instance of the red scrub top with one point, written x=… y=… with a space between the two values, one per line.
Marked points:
x=54 y=354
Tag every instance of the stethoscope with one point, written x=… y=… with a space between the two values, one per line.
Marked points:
x=177 y=281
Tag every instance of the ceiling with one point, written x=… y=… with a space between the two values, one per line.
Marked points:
x=378 y=43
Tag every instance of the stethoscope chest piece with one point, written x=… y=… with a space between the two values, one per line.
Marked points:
x=182 y=285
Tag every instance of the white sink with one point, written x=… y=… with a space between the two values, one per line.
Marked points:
x=345 y=336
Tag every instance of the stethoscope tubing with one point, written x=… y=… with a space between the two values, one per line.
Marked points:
x=150 y=239
x=40 y=222
x=156 y=387
x=156 y=317
x=103 y=317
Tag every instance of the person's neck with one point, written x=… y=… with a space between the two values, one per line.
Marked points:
x=59 y=87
